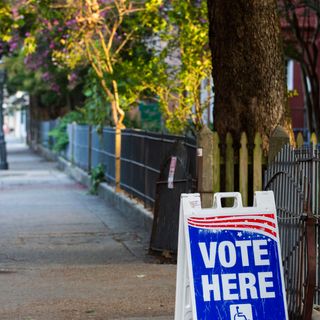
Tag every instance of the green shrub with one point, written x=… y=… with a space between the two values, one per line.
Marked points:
x=97 y=176
x=59 y=133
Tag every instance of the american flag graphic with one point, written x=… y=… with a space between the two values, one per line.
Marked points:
x=264 y=223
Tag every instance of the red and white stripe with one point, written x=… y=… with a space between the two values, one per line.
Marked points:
x=264 y=223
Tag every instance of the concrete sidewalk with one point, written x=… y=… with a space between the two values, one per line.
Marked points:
x=65 y=254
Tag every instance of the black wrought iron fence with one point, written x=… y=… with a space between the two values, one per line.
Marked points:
x=103 y=151
x=294 y=178
x=81 y=146
x=68 y=152
x=142 y=154
x=33 y=131
x=39 y=132
x=309 y=159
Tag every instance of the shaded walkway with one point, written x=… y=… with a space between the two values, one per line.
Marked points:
x=65 y=254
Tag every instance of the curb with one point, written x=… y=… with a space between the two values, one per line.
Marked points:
x=127 y=206
x=44 y=152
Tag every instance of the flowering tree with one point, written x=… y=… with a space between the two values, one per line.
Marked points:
x=9 y=21
x=97 y=32
x=158 y=48
x=5 y=23
x=28 y=39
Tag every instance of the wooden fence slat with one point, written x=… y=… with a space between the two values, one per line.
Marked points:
x=257 y=163
x=314 y=139
x=300 y=140
x=229 y=164
x=243 y=169
x=205 y=173
x=216 y=162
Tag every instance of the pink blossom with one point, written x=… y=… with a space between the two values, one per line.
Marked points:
x=70 y=22
x=46 y=76
x=73 y=76
x=55 y=87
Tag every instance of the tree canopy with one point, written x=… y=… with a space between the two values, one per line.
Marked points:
x=155 y=49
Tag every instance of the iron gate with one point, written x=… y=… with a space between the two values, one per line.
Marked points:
x=294 y=178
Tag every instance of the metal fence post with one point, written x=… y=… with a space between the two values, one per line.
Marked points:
x=117 y=157
x=3 y=150
x=145 y=157
x=89 y=147
x=73 y=129
x=311 y=261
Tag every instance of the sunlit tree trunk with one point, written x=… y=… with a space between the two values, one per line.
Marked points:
x=248 y=67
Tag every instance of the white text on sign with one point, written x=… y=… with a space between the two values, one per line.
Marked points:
x=236 y=286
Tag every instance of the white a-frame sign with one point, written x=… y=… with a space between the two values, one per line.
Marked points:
x=229 y=260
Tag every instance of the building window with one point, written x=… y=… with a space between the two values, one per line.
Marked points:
x=290 y=73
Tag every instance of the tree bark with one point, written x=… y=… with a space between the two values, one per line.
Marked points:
x=248 y=68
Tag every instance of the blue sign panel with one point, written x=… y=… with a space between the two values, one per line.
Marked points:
x=236 y=267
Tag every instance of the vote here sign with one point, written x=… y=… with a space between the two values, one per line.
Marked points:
x=235 y=264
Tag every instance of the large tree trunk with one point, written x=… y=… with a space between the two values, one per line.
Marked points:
x=248 y=67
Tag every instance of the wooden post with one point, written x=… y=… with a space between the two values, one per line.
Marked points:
x=117 y=157
x=229 y=167
x=216 y=165
x=205 y=162
x=243 y=168
x=229 y=163
x=278 y=139
x=257 y=163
